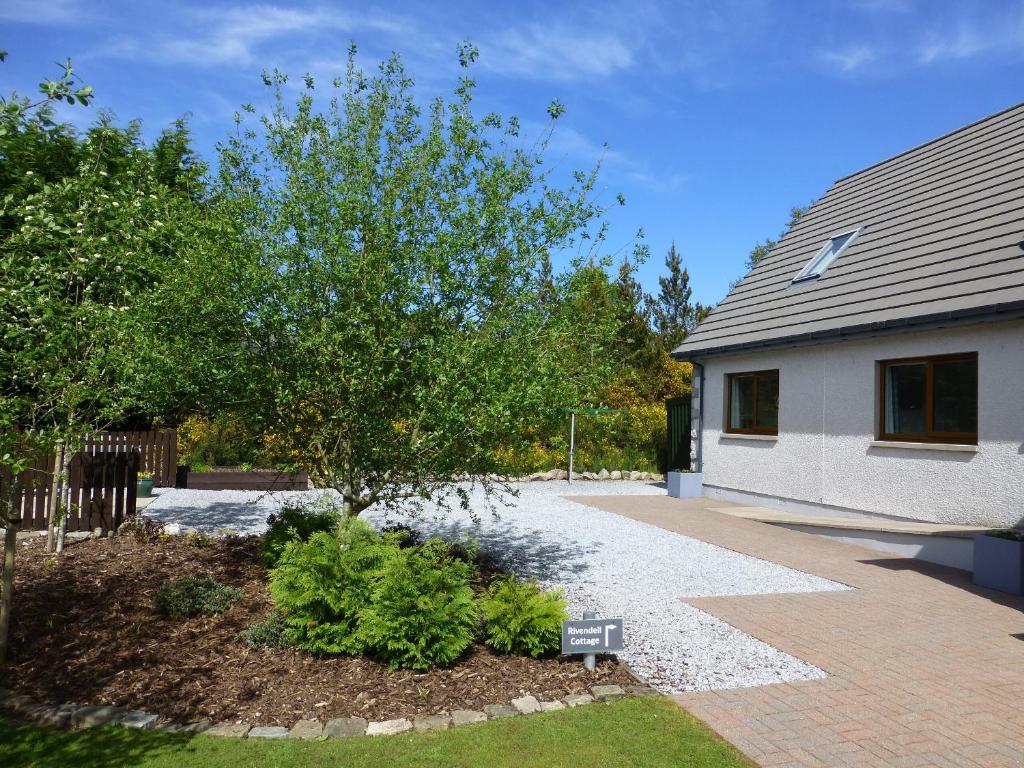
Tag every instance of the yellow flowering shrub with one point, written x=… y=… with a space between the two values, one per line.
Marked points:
x=220 y=441
x=632 y=436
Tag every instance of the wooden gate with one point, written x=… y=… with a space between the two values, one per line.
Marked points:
x=100 y=494
x=678 y=411
x=102 y=477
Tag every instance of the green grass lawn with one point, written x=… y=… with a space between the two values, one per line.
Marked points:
x=649 y=732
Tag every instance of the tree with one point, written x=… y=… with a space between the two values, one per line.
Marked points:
x=673 y=315
x=392 y=262
x=26 y=127
x=81 y=264
x=763 y=248
x=636 y=343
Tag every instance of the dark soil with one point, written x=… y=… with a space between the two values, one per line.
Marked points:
x=84 y=631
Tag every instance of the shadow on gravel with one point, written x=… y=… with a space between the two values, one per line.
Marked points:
x=237 y=515
x=527 y=553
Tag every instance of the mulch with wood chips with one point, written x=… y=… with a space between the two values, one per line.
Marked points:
x=84 y=631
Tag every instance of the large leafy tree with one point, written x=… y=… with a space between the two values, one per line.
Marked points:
x=401 y=325
x=33 y=151
x=83 y=257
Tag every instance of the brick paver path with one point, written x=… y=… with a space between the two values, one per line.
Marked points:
x=924 y=668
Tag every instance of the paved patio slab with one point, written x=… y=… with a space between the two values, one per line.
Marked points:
x=923 y=667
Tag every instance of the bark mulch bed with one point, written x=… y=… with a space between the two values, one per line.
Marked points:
x=84 y=631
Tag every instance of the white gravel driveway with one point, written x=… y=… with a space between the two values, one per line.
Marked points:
x=606 y=563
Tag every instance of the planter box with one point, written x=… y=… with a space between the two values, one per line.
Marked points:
x=232 y=479
x=685 y=485
x=999 y=563
x=144 y=488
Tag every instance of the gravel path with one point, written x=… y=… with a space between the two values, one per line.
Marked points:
x=605 y=562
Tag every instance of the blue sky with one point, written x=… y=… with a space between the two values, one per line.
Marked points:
x=719 y=115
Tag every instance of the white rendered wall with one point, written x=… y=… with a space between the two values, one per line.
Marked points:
x=827 y=423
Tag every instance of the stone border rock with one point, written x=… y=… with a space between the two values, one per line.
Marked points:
x=604 y=474
x=81 y=717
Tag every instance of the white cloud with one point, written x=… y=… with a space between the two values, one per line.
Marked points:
x=884 y=6
x=849 y=59
x=570 y=148
x=975 y=31
x=41 y=11
x=233 y=36
x=967 y=42
x=555 y=53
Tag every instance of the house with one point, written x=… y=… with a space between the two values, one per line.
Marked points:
x=873 y=362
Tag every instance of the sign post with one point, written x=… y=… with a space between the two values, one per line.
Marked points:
x=572 y=441
x=590 y=660
x=591 y=636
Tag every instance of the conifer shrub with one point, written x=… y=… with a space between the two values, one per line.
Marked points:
x=354 y=591
x=422 y=611
x=191 y=596
x=321 y=585
x=522 y=619
x=293 y=524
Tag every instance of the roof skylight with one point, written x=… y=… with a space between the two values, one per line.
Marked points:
x=829 y=252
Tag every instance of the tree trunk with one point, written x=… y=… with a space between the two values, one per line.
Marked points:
x=7 y=579
x=66 y=455
x=56 y=491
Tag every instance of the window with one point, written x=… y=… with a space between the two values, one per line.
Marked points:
x=752 y=403
x=829 y=252
x=930 y=400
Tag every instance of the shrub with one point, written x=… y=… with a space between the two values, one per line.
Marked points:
x=192 y=596
x=268 y=633
x=222 y=440
x=293 y=524
x=403 y=535
x=321 y=585
x=520 y=618
x=422 y=609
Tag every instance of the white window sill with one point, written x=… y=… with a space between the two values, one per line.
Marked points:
x=958 y=447
x=740 y=436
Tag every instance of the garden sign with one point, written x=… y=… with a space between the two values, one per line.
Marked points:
x=591 y=636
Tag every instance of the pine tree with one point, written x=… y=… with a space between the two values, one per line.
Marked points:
x=636 y=340
x=673 y=315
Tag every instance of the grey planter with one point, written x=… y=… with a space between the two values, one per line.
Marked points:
x=685 y=485
x=999 y=563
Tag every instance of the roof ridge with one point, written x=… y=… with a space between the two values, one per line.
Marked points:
x=924 y=144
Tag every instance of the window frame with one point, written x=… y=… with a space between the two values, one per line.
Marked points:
x=929 y=435
x=805 y=274
x=755 y=430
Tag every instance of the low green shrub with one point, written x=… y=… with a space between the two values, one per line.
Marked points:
x=522 y=619
x=293 y=524
x=404 y=535
x=422 y=611
x=321 y=585
x=268 y=633
x=192 y=596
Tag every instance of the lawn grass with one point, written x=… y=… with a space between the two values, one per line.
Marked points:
x=650 y=732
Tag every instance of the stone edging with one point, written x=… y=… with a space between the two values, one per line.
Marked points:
x=76 y=717
x=604 y=474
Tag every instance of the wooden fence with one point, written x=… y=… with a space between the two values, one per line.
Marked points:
x=100 y=492
x=158 y=448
